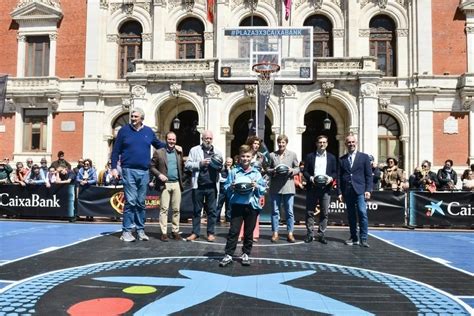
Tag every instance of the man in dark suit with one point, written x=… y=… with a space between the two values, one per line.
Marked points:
x=320 y=169
x=355 y=185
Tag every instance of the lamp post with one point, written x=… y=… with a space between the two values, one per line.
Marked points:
x=327 y=90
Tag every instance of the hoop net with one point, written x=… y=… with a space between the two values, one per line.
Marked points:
x=266 y=80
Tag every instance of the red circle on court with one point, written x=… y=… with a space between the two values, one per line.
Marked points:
x=108 y=306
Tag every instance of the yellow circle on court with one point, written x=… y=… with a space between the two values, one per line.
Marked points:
x=139 y=290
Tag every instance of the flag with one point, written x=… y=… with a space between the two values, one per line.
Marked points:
x=287 y=9
x=210 y=10
x=3 y=92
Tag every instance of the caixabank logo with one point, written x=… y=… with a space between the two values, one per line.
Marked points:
x=191 y=285
x=435 y=208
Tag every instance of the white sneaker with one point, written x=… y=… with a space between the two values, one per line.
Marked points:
x=142 y=236
x=245 y=259
x=225 y=261
x=127 y=237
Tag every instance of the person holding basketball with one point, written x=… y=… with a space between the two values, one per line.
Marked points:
x=245 y=186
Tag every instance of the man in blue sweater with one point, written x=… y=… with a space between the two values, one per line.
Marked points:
x=132 y=148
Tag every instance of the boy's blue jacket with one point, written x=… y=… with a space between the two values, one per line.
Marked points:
x=254 y=197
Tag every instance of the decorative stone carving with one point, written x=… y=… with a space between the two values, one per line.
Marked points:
x=113 y=38
x=338 y=33
x=115 y=7
x=251 y=90
x=384 y=103
x=175 y=89
x=126 y=104
x=300 y=129
x=188 y=5
x=382 y=3
x=170 y=37
x=127 y=8
x=354 y=130
x=208 y=36
x=104 y=4
x=404 y=138
x=288 y=90
x=317 y=4
x=469 y=29
x=402 y=32
x=368 y=90
x=53 y=36
x=146 y=37
x=138 y=91
x=326 y=88
x=363 y=3
x=21 y=38
x=54 y=103
x=467 y=103
x=213 y=90
x=52 y=3
x=364 y=32
x=251 y=4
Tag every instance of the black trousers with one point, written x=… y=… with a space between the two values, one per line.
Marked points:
x=241 y=214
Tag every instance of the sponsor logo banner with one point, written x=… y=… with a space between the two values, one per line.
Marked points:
x=37 y=200
x=442 y=208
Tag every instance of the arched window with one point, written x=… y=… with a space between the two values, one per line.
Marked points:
x=322 y=36
x=383 y=43
x=190 y=39
x=388 y=135
x=130 y=46
x=244 y=43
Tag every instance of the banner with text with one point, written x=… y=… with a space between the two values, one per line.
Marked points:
x=441 y=209
x=37 y=200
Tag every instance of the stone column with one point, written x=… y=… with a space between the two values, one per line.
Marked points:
x=289 y=119
x=468 y=8
x=21 y=56
x=159 y=14
x=52 y=54
x=212 y=109
x=95 y=13
x=368 y=118
x=424 y=121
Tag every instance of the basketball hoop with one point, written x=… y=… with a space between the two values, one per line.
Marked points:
x=265 y=78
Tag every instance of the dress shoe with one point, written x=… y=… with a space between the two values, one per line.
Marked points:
x=211 y=238
x=308 y=239
x=363 y=243
x=176 y=236
x=275 y=237
x=164 y=237
x=290 y=238
x=192 y=237
x=322 y=240
x=351 y=242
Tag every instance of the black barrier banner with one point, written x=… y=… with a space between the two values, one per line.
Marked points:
x=384 y=208
x=442 y=208
x=37 y=200
x=109 y=202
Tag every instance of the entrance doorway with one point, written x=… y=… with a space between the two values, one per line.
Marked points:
x=241 y=132
x=314 y=127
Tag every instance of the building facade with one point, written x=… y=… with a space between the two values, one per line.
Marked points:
x=398 y=73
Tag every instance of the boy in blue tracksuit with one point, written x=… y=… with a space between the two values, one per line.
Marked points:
x=245 y=207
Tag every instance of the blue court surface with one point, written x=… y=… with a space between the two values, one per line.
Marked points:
x=450 y=248
x=49 y=268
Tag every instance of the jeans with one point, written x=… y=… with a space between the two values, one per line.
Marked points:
x=247 y=215
x=288 y=201
x=357 y=208
x=209 y=194
x=135 y=185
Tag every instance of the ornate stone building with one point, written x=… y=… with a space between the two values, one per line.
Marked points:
x=399 y=73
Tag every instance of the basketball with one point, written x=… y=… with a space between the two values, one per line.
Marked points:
x=216 y=162
x=282 y=170
x=243 y=185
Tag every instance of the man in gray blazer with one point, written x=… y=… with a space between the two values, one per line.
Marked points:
x=205 y=181
x=282 y=187
x=355 y=186
x=167 y=166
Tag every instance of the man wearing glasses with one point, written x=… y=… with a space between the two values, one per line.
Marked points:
x=132 y=147
x=205 y=180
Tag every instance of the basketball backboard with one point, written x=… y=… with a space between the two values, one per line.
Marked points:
x=242 y=47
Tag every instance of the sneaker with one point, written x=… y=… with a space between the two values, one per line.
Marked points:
x=322 y=240
x=127 y=236
x=245 y=260
x=308 y=239
x=351 y=242
x=142 y=236
x=225 y=261
x=363 y=243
